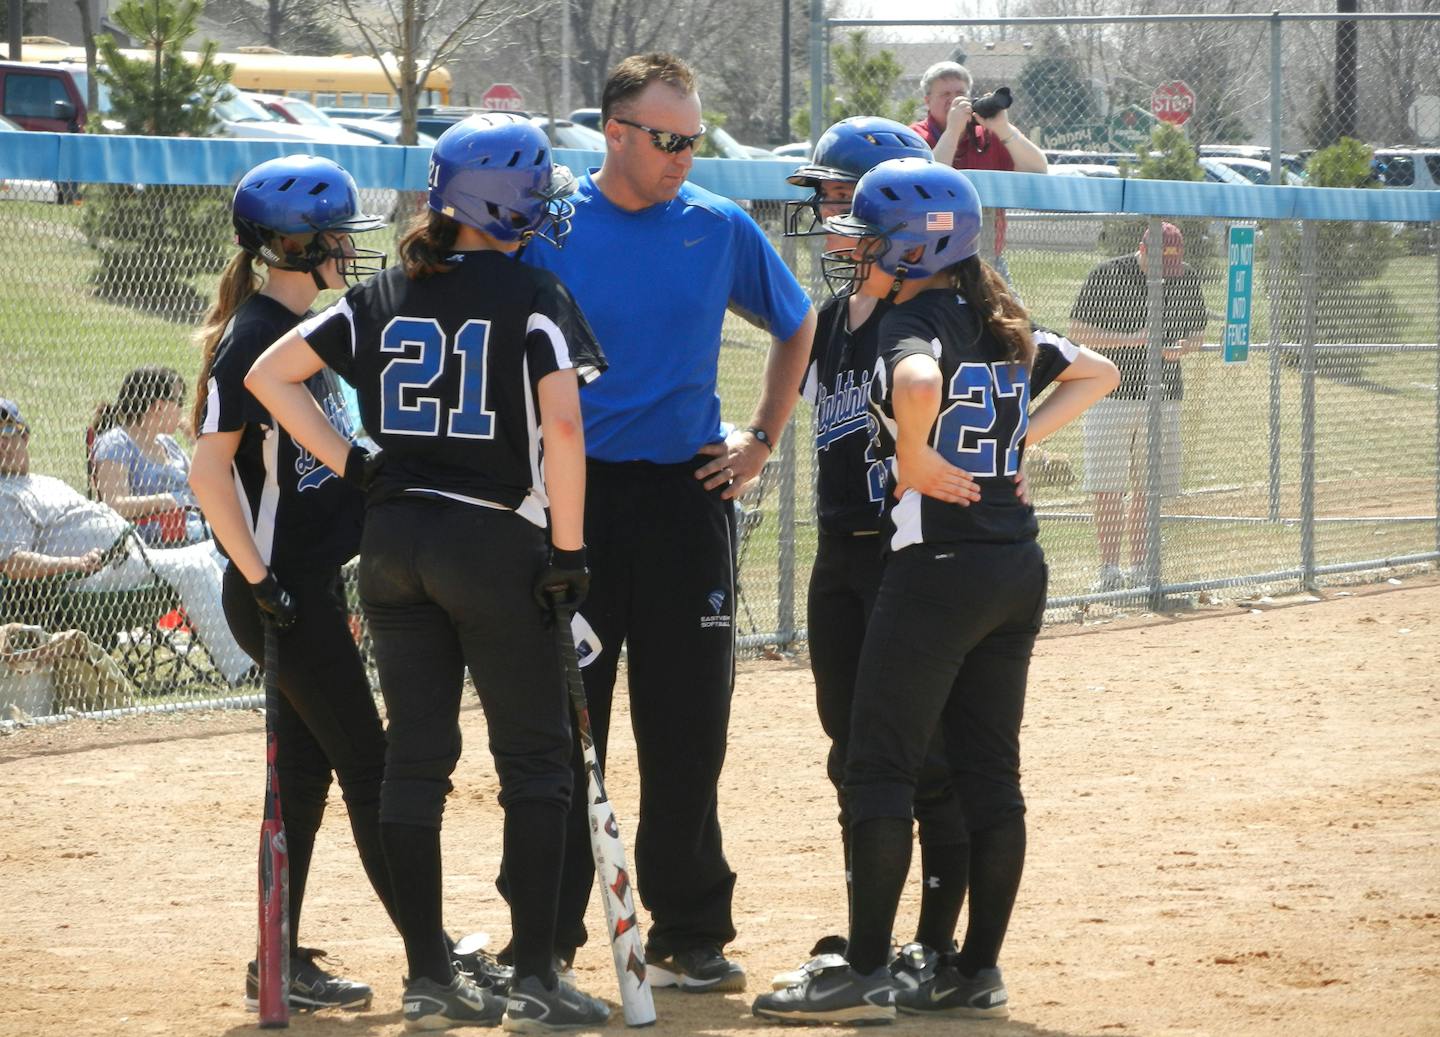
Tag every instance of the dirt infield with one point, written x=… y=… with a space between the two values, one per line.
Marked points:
x=1234 y=830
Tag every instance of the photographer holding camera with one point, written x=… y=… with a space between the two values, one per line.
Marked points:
x=974 y=133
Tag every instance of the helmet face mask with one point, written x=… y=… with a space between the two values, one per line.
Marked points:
x=314 y=203
x=925 y=217
x=844 y=153
x=495 y=173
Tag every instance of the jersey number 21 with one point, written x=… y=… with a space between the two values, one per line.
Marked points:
x=406 y=408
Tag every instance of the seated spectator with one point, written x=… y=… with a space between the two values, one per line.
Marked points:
x=139 y=468
x=47 y=528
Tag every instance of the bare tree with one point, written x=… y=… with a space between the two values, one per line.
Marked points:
x=412 y=38
x=298 y=26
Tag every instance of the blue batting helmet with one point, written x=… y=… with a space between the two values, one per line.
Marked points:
x=846 y=152
x=301 y=197
x=495 y=172
x=904 y=205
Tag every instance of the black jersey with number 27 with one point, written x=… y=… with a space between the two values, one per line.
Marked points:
x=446 y=369
x=984 y=414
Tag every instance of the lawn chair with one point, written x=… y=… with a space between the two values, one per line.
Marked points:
x=145 y=630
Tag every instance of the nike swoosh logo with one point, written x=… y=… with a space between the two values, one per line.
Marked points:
x=940 y=995
x=689 y=243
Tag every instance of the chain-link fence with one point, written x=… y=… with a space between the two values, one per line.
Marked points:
x=1314 y=456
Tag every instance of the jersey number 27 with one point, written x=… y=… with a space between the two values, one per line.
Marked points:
x=966 y=434
x=406 y=407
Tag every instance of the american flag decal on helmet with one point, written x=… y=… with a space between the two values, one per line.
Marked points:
x=939 y=221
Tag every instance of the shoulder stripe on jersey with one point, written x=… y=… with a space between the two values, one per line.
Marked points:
x=340 y=309
x=1069 y=350
x=532 y=508
x=810 y=389
x=264 y=521
x=211 y=423
x=563 y=361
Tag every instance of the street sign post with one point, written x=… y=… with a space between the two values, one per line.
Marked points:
x=1173 y=102
x=502 y=97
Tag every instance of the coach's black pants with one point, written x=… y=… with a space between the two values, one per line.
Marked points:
x=843 y=586
x=326 y=721
x=663 y=582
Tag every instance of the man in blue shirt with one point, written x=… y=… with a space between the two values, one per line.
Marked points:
x=655 y=263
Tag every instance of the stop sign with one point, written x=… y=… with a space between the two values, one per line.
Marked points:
x=502 y=97
x=1173 y=102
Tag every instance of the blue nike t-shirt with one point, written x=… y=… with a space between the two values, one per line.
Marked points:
x=655 y=286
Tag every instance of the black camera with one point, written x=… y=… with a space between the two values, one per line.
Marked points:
x=992 y=104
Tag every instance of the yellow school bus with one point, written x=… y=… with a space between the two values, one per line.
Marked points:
x=341 y=80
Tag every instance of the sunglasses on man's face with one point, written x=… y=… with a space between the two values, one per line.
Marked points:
x=666 y=140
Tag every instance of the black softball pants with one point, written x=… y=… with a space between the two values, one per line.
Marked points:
x=662 y=561
x=326 y=722
x=843 y=586
x=949 y=645
x=446 y=586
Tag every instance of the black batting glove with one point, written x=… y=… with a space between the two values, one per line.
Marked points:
x=563 y=582
x=276 y=605
x=361 y=467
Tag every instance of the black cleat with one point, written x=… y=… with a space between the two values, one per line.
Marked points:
x=698 y=970
x=832 y=992
x=981 y=996
x=438 y=1006
x=533 y=1009
x=311 y=987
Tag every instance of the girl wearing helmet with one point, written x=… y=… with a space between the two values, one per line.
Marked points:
x=963 y=592
x=287 y=525
x=467 y=366
x=852 y=460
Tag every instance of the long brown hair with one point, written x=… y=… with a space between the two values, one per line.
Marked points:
x=237 y=284
x=989 y=295
x=429 y=239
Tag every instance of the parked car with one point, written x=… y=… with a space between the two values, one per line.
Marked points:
x=564 y=133
x=337 y=112
x=1258 y=172
x=436 y=120
x=380 y=130
x=292 y=109
x=1417 y=168
x=248 y=115
x=587 y=117
x=42 y=97
x=1088 y=158
x=1259 y=153
x=799 y=150
x=1095 y=169
x=1217 y=172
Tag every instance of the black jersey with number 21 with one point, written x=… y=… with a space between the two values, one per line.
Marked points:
x=446 y=369
x=984 y=414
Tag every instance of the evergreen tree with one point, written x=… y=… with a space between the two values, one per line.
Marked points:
x=163 y=94
x=154 y=241
x=865 y=84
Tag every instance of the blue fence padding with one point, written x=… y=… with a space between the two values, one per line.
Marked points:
x=1038 y=191
x=29 y=156
x=221 y=161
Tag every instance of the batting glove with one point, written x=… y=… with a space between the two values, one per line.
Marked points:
x=564 y=581
x=276 y=605
x=361 y=467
